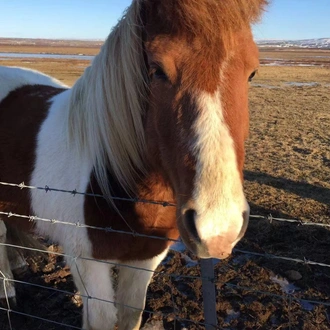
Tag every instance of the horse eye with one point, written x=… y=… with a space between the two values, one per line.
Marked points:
x=252 y=75
x=160 y=74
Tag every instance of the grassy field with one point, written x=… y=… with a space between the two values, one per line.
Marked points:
x=287 y=175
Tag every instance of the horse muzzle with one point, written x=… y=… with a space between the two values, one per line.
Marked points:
x=213 y=246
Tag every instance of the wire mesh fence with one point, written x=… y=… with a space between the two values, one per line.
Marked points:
x=185 y=292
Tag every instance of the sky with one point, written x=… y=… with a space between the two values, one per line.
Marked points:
x=93 y=19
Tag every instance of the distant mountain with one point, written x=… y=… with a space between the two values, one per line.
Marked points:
x=320 y=43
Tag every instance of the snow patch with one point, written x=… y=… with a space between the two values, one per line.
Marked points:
x=320 y=43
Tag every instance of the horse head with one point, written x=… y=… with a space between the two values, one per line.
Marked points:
x=200 y=57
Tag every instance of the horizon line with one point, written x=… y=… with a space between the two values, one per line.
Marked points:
x=103 y=39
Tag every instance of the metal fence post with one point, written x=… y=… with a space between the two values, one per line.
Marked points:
x=209 y=296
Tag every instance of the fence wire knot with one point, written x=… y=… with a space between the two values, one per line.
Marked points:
x=74 y=192
x=47 y=188
x=32 y=218
x=108 y=229
x=270 y=218
x=10 y=214
x=21 y=185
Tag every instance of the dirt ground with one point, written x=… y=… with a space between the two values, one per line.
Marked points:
x=287 y=175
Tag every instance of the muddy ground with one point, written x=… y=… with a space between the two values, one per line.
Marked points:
x=287 y=175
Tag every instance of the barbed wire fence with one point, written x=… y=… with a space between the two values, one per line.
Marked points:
x=210 y=283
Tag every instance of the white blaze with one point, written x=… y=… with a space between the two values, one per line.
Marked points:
x=218 y=194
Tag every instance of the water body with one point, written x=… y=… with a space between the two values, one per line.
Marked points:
x=293 y=63
x=265 y=86
x=302 y=84
x=51 y=56
x=291 y=84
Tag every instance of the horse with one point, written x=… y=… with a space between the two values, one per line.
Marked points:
x=160 y=114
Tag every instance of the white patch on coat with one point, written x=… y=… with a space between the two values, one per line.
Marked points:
x=58 y=166
x=12 y=78
x=218 y=196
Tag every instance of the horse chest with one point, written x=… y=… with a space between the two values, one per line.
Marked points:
x=120 y=241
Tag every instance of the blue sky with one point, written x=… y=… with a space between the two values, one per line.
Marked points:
x=93 y=19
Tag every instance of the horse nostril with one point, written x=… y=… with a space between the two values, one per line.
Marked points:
x=190 y=223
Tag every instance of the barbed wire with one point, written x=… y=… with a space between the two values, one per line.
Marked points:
x=109 y=229
x=74 y=192
x=77 y=224
x=82 y=225
x=270 y=218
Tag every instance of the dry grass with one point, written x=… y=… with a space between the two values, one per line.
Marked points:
x=288 y=175
x=67 y=71
x=288 y=152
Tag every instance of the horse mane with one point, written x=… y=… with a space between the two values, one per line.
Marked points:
x=205 y=15
x=107 y=106
x=211 y=20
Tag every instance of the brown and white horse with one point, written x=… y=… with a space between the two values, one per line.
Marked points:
x=161 y=114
